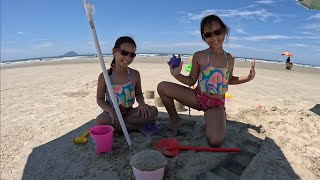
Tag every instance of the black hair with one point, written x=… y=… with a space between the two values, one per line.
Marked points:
x=206 y=21
x=288 y=59
x=121 y=40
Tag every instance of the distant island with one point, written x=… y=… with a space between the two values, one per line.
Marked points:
x=71 y=53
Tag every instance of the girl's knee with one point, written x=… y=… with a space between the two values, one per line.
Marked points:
x=102 y=122
x=154 y=112
x=162 y=86
x=103 y=119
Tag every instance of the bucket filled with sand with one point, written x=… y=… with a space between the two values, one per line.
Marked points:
x=148 y=165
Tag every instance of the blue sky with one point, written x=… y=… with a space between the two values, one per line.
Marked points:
x=260 y=29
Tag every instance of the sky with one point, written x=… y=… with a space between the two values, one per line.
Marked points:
x=261 y=29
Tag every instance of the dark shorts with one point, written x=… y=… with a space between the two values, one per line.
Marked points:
x=207 y=102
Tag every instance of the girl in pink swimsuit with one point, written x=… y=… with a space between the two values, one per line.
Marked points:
x=126 y=85
x=213 y=69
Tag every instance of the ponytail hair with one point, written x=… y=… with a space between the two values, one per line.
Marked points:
x=121 y=40
x=112 y=66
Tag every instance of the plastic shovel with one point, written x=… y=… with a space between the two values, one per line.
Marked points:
x=82 y=139
x=171 y=147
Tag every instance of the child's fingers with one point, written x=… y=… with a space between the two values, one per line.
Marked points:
x=145 y=114
x=149 y=111
x=181 y=63
x=253 y=64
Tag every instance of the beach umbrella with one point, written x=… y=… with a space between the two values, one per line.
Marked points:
x=89 y=12
x=287 y=53
x=310 y=4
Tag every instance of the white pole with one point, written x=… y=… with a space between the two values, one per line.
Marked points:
x=89 y=11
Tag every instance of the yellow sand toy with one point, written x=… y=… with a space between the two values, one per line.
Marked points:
x=82 y=139
x=227 y=95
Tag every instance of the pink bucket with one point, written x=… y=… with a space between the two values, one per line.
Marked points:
x=148 y=175
x=103 y=137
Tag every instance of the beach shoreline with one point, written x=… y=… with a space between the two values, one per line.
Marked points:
x=274 y=119
x=157 y=60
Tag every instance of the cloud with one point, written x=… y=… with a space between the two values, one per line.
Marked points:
x=266 y=2
x=259 y=38
x=20 y=33
x=316 y=16
x=272 y=37
x=195 y=32
x=42 y=43
x=312 y=27
x=299 y=45
x=240 y=31
x=239 y=46
x=248 y=12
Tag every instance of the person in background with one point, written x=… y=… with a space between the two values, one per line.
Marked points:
x=126 y=85
x=213 y=69
x=289 y=64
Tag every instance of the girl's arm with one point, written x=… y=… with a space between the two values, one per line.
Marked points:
x=191 y=79
x=138 y=90
x=243 y=79
x=101 y=90
x=234 y=80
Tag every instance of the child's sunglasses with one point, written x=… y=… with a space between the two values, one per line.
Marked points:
x=216 y=32
x=126 y=53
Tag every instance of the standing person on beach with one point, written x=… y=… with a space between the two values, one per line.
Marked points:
x=126 y=85
x=213 y=68
x=288 y=63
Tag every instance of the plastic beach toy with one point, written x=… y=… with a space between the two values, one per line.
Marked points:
x=174 y=61
x=188 y=67
x=147 y=175
x=82 y=139
x=149 y=129
x=103 y=138
x=171 y=147
x=148 y=165
x=227 y=95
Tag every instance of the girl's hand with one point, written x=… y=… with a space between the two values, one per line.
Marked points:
x=115 y=120
x=252 y=71
x=144 y=110
x=176 y=71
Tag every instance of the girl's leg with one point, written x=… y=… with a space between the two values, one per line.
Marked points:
x=105 y=119
x=133 y=117
x=170 y=91
x=215 y=125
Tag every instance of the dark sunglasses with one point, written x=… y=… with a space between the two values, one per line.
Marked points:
x=216 y=32
x=127 y=53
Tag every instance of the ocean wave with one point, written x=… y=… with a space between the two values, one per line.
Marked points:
x=61 y=58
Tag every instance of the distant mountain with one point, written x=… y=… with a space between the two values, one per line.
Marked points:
x=71 y=53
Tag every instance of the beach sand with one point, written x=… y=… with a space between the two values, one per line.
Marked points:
x=274 y=119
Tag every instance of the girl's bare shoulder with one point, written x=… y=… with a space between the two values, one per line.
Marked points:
x=230 y=58
x=200 y=57
x=134 y=74
x=101 y=76
x=199 y=54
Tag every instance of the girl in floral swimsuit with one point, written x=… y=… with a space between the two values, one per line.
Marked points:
x=213 y=69
x=126 y=85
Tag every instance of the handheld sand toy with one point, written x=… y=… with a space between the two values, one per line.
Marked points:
x=175 y=61
x=171 y=147
x=82 y=139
